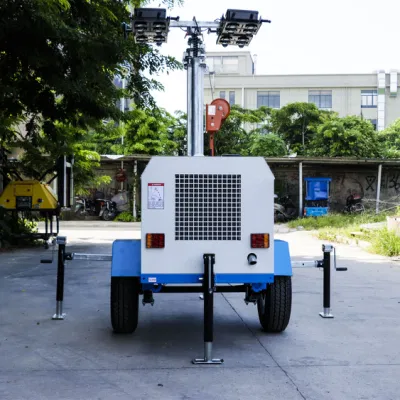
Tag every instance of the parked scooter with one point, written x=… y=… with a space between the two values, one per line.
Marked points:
x=87 y=207
x=354 y=204
x=109 y=210
x=284 y=209
x=115 y=206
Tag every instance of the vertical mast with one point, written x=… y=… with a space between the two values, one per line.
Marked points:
x=195 y=65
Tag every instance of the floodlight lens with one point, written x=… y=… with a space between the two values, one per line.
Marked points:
x=159 y=27
x=141 y=38
x=140 y=26
x=242 y=40
x=250 y=28
x=159 y=38
x=225 y=39
x=232 y=27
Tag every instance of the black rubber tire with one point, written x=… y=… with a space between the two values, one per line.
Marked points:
x=124 y=304
x=275 y=305
x=106 y=215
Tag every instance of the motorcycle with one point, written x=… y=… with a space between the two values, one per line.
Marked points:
x=115 y=206
x=109 y=210
x=87 y=207
x=354 y=204
x=284 y=209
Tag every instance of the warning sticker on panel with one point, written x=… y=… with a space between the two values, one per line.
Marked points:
x=155 y=196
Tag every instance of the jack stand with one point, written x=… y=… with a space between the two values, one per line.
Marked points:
x=61 y=241
x=327 y=249
x=250 y=296
x=208 y=293
x=59 y=314
x=148 y=297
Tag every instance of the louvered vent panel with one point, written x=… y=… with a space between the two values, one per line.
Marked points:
x=207 y=207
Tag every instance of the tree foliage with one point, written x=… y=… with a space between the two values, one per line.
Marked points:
x=269 y=145
x=350 y=136
x=296 y=123
x=58 y=59
x=390 y=140
x=178 y=133
x=235 y=135
x=147 y=132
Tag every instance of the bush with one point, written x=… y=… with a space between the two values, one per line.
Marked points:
x=125 y=216
x=385 y=242
x=12 y=227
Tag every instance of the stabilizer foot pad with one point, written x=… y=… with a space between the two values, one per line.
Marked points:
x=325 y=315
x=58 y=316
x=204 y=361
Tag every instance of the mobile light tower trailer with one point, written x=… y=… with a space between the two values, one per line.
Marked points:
x=207 y=222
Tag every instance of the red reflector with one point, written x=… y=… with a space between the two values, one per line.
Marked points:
x=155 y=240
x=259 y=240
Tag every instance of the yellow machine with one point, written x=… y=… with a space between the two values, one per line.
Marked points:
x=29 y=196
x=33 y=196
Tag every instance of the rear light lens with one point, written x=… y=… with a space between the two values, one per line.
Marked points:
x=259 y=240
x=155 y=240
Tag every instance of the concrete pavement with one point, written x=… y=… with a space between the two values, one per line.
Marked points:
x=356 y=355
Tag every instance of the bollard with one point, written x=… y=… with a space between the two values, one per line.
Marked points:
x=61 y=241
x=326 y=313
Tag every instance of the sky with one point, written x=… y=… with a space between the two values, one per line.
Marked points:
x=305 y=37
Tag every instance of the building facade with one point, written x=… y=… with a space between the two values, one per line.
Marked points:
x=374 y=96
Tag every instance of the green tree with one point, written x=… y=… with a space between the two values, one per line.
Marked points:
x=269 y=145
x=296 y=123
x=236 y=133
x=350 y=136
x=39 y=156
x=107 y=138
x=147 y=132
x=178 y=133
x=390 y=140
x=58 y=59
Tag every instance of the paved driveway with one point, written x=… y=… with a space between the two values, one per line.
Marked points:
x=354 y=356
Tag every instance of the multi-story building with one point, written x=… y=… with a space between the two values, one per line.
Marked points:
x=374 y=96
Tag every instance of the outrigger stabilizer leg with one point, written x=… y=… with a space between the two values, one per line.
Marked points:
x=208 y=293
x=326 y=313
x=61 y=241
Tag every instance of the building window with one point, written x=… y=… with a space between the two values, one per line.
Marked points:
x=223 y=64
x=222 y=94
x=269 y=99
x=232 y=98
x=369 y=98
x=374 y=123
x=321 y=98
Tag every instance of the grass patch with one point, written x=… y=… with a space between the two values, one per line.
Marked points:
x=336 y=221
x=342 y=228
x=125 y=216
x=385 y=242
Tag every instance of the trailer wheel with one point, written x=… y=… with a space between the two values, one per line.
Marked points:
x=275 y=305
x=124 y=304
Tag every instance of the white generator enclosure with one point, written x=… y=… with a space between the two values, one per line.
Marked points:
x=207 y=205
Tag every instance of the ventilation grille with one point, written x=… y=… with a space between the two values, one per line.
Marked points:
x=207 y=207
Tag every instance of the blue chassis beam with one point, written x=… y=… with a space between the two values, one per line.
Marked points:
x=126 y=262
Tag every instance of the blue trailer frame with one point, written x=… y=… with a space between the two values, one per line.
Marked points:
x=126 y=262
